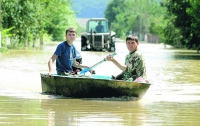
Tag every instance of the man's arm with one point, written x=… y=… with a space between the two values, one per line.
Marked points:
x=50 y=64
x=77 y=65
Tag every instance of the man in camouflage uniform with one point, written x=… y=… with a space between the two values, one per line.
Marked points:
x=134 y=62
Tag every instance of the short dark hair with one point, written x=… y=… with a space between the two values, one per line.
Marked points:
x=71 y=29
x=130 y=37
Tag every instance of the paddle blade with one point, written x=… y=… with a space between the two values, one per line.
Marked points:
x=85 y=70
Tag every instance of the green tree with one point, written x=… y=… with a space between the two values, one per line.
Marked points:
x=116 y=13
x=31 y=19
x=19 y=15
x=113 y=8
x=140 y=16
x=60 y=18
x=186 y=20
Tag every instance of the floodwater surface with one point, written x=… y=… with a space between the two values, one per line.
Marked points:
x=172 y=100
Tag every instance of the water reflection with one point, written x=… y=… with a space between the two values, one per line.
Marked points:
x=90 y=113
x=21 y=112
x=65 y=112
x=186 y=55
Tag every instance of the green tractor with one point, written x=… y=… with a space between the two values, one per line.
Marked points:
x=98 y=36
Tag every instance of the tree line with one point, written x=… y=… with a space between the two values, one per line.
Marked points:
x=25 y=21
x=183 y=23
x=176 y=22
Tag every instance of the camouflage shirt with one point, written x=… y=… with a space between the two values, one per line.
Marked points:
x=135 y=66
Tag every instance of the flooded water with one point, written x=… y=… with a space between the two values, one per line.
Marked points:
x=172 y=100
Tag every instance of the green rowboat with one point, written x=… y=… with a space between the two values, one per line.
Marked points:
x=96 y=86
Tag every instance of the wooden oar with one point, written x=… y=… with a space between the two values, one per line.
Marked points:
x=95 y=65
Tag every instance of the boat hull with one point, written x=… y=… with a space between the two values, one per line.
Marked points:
x=94 y=87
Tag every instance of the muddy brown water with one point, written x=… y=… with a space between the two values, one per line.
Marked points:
x=172 y=100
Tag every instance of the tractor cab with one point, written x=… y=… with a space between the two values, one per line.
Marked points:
x=98 y=26
x=98 y=36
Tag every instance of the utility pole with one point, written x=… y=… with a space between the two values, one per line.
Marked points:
x=146 y=26
x=140 y=31
x=147 y=14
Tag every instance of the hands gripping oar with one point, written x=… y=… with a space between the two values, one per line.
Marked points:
x=95 y=65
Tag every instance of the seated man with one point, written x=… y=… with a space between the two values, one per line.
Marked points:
x=134 y=66
x=99 y=28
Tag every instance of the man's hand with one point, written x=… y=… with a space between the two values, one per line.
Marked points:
x=50 y=74
x=109 y=58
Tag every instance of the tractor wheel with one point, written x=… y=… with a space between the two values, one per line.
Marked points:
x=112 y=49
x=83 y=44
